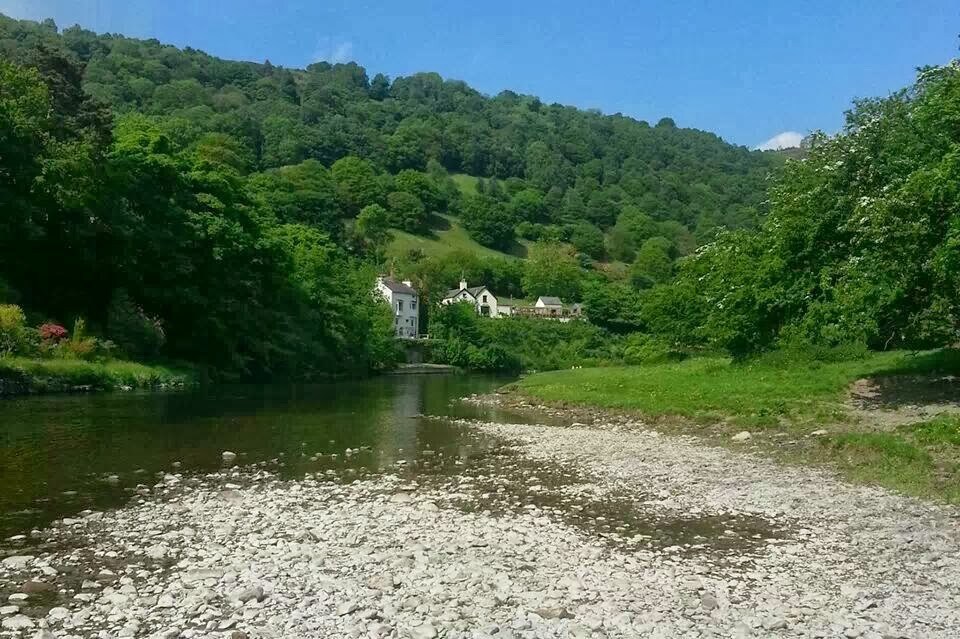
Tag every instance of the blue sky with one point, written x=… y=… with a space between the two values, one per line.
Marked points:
x=745 y=69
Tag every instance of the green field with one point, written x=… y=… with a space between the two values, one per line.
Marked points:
x=782 y=402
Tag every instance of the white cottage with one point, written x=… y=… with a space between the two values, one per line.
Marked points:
x=404 y=301
x=480 y=296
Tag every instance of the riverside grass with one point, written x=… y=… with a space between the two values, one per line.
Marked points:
x=782 y=399
x=25 y=375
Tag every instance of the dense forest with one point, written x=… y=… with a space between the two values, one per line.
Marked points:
x=234 y=214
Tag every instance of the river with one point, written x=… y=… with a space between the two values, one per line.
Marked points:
x=63 y=454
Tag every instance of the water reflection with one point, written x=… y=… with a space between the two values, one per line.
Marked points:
x=61 y=454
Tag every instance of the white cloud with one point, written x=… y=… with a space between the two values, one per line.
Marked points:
x=785 y=140
x=334 y=51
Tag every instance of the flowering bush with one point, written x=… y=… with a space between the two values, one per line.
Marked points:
x=52 y=332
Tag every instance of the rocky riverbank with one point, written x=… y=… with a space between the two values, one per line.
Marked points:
x=599 y=530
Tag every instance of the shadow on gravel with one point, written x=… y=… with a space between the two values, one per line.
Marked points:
x=493 y=476
x=900 y=391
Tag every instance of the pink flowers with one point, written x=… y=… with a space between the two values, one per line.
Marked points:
x=52 y=332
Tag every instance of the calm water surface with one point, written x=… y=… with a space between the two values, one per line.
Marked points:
x=62 y=454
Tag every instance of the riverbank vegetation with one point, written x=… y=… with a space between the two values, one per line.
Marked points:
x=759 y=393
x=798 y=409
x=20 y=376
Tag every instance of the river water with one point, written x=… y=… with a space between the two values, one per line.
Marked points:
x=60 y=455
x=63 y=455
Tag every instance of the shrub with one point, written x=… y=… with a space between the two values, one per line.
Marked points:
x=135 y=333
x=52 y=333
x=15 y=337
x=645 y=349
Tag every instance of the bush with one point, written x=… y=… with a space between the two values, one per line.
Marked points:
x=135 y=333
x=15 y=336
x=455 y=351
x=79 y=345
x=52 y=333
x=802 y=352
x=645 y=349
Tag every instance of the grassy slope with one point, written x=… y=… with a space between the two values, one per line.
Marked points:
x=786 y=402
x=454 y=238
x=442 y=241
x=54 y=375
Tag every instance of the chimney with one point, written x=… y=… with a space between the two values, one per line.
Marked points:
x=408 y=283
x=463 y=284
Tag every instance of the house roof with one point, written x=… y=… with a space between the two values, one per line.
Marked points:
x=551 y=301
x=398 y=287
x=473 y=290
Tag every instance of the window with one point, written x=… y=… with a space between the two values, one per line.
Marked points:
x=484 y=299
x=399 y=305
x=413 y=305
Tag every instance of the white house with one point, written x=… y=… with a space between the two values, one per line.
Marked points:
x=552 y=305
x=547 y=307
x=480 y=296
x=403 y=299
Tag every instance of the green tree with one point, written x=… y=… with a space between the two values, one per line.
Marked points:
x=589 y=240
x=373 y=227
x=528 y=205
x=633 y=228
x=552 y=269
x=407 y=212
x=356 y=184
x=653 y=264
x=488 y=221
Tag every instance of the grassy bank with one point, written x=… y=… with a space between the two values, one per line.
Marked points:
x=22 y=375
x=782 y=401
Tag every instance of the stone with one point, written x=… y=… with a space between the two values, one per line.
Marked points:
x=423 y=631
x=742 y=436
x=193 y=576
x=17 y=562
x=58 y=613
x=9 y=610
x=381 y=582
x=37 y=587
x=44 y=633
x=708 y=602
x=17 y=622
x=553 y=613
x=820 y=433
x=251 y=593
x=228 y=456
x=346 y=608
x=774 y=623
